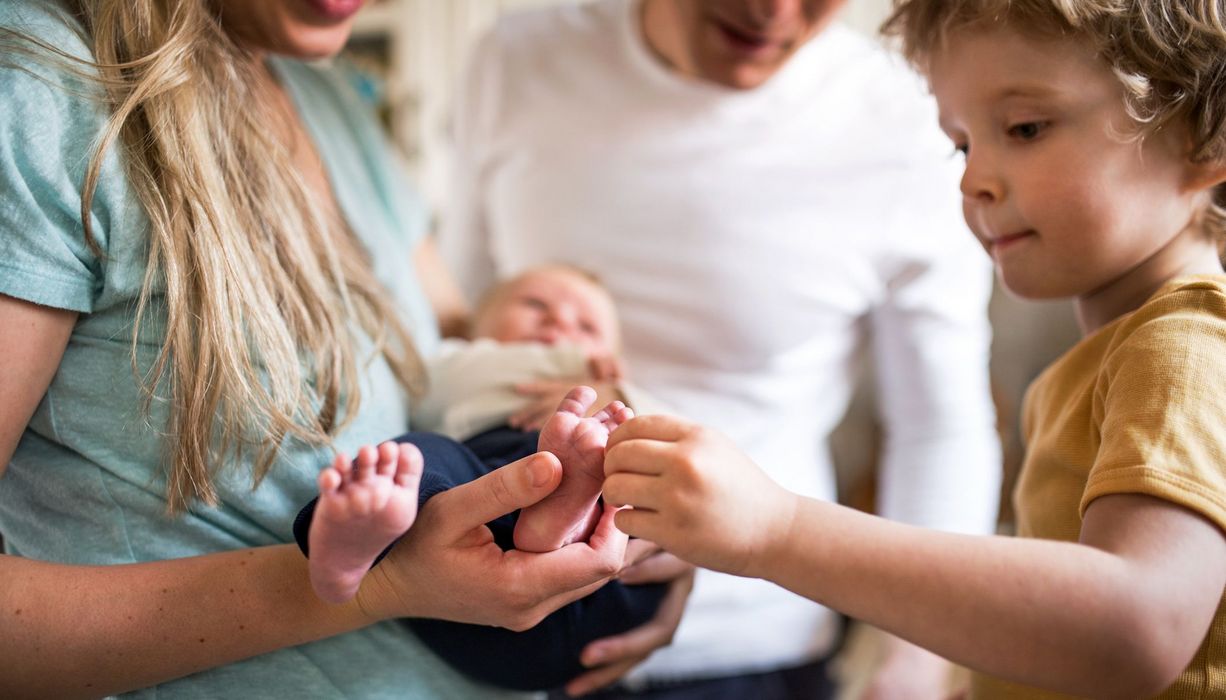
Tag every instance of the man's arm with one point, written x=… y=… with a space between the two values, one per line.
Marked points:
x=464 y=237
x=941 y=459
x=448 y=302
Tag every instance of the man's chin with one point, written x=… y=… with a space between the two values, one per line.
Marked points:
x=740 y=76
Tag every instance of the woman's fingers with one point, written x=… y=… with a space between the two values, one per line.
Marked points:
x=566 y=574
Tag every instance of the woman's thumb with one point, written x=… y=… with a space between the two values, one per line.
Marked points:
x=517 y=485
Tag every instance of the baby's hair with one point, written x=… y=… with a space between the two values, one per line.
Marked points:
x=495 y=292
x=1170 y=56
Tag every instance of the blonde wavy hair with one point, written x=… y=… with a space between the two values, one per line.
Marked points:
x=1170 y=56
x=265 y=292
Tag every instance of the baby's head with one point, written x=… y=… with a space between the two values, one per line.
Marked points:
x=553 y=304
x=1094 y=130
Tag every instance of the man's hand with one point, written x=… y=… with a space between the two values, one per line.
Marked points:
x=613 y=657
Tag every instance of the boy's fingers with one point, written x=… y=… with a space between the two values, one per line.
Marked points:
x=638 y=490
x=659 y=427
x=638 y=522
x=641 y=456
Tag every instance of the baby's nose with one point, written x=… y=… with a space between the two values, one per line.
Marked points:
x=564 y=317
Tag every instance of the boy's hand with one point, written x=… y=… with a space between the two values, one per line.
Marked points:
x=695 y=494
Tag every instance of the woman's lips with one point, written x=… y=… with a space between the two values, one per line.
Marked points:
x=336 y=10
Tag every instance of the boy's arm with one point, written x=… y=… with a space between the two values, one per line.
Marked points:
x=1122 y=612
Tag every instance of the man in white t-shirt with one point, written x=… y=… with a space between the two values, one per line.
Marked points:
x=768 y=198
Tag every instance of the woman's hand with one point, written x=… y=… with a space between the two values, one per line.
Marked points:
x=695 y=494
x=449 y=567
x=613 y=657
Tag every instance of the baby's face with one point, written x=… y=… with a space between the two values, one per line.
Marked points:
x=552 y=307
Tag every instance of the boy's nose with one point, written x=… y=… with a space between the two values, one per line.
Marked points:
x=980 y=181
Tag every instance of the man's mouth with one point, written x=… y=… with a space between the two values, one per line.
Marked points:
x=744 y=40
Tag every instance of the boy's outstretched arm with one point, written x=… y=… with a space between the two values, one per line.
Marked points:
x=1120 y=613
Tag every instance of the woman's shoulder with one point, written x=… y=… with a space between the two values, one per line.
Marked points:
x=49 y=23
x=52 y=116
x=45 y=70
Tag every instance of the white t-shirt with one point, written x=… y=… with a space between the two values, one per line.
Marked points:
x=757 y=244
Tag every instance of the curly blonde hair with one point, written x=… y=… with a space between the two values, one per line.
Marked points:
x=1170 y=56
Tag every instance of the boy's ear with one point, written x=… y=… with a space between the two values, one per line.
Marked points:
x=1206 y=174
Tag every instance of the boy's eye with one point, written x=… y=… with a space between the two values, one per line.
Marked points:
x=1027 y=131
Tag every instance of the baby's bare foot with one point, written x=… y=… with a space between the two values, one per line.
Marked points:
x=570 y=512
x=363 y=507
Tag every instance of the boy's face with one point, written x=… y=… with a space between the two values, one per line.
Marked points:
x=552 y=307
x=1063 y=201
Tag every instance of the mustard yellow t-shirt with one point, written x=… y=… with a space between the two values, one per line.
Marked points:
x=1138 y=407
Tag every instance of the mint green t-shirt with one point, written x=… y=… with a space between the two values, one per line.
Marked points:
x=85 y=485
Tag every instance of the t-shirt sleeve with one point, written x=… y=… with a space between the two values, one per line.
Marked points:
x=1162 y=429
x=47 y=129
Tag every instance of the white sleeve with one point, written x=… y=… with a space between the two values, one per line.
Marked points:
x=464 y=237
x=941 y=466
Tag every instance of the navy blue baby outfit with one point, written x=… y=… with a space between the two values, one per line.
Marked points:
x=546 y=656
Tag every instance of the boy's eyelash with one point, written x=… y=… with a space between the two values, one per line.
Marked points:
x=1027 y=131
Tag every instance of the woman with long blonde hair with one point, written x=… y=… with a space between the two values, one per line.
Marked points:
x=206 y=288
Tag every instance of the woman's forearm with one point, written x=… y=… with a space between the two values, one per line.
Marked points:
x=86 y=631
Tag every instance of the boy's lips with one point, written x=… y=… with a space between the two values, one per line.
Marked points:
x=1001 y=243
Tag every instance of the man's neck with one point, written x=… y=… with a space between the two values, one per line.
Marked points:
x=661 y=28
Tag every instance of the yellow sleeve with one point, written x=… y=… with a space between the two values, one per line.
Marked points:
x=1159 y=404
